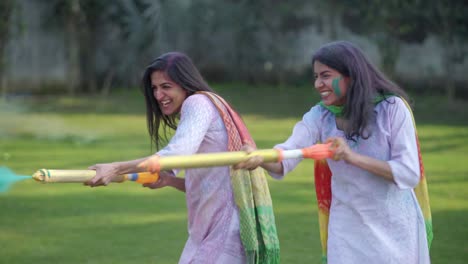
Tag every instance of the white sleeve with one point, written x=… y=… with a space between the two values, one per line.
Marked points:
x=404 y=155
x=305 y=133
x=197 y=115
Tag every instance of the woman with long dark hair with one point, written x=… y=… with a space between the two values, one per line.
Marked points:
x=224 y=223
x=369 y=212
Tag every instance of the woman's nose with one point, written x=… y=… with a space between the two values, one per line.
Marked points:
x=158 y=94
x=318 y=82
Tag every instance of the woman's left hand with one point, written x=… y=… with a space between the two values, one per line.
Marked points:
x=341 y=149
x=250 y=163
x=104 y=174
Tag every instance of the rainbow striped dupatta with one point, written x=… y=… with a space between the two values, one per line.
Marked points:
x=323 y=191
x=251 y=193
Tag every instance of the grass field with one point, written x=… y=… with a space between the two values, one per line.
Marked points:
x=124 y=223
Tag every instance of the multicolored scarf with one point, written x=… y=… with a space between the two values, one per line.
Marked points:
x=324 y=193
x=251 y=193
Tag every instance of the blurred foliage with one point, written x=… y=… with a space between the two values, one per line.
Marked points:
x=108 y=43
x=6 y=10
x=391 y=22
x=387 y=23
x=128 y=25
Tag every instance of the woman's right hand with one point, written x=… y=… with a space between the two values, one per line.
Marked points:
x=167 y=178
x=163 y=181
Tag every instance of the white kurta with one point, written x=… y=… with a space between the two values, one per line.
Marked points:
x=372 y=220
x=213 y=221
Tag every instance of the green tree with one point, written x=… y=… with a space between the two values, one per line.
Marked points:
x=387 y=23
x=449 y=21
x=115 y=32
x=263 y=33
x=134 y=25
x=79 y=20
x=390 y=22
x=6 y=11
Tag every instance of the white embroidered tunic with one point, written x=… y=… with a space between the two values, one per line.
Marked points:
x=372 y=220
x=213 y=221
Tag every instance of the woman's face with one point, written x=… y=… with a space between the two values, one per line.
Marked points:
x=331 y=84
x=167 y=93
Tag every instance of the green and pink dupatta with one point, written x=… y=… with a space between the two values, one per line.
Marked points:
x=251 y=193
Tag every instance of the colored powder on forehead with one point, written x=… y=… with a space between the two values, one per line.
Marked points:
x=336 y=86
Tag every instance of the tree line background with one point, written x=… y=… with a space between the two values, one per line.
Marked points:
x=92 y=46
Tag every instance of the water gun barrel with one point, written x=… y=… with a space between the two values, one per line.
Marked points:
x=214 y=159
x=80 y=176
x=156 y=163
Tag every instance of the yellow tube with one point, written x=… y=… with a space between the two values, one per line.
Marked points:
x=209 y=159
x=80 y=176
x=164 y=163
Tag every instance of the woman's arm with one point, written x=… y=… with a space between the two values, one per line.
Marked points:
x=197 y=114
x=167 y=178
x=402 y=167
x=375 y=166
x=255 y=161
x=305 y=133
x=105 y=172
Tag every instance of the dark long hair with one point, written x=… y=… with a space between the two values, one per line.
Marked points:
x=366 y=83
x=180 y=69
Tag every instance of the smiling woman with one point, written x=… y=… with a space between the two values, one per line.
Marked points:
x=330 y=84
x=374 y=209
x=167 y=82
x=168 y=94
x=225 y=224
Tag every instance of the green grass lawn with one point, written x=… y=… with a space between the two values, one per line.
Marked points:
x=125 y=223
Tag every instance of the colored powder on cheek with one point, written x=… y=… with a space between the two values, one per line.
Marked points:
x=336 y=86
